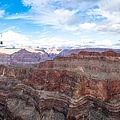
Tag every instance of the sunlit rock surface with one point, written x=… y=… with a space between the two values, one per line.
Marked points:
x=83 y=86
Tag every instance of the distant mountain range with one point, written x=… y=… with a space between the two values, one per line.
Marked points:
x=66 y=52
x=24 y=56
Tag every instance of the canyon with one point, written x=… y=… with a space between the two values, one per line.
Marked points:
x=81 y=86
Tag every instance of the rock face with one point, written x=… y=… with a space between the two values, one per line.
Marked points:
x=83 y=86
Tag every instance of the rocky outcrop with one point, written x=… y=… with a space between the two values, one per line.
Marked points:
x=84 y=86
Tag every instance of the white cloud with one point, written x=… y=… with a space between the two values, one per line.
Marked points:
x=2 y=12
x=110 y=5
x=35 y=3
x=55 y=13
x=112 y=22
x=88 y=26
x=54 y=42
x=57 y=17
x=103 y=43
x=11 y=38
x=19 y=16
x=110 y=10
x=85 y=42
x=106 y=43
x=74 y=15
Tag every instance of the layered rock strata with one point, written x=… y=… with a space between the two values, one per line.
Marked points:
x=84 y=86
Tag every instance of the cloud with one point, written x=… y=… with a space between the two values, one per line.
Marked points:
x=55 y=12
x=110 y=5
x=18 y=16
x=53 y=42
x=87 y=26
x=56 y=18
x=84 y=42
x=74 y=15
x=17 y=40
x=2 y=12
x=103 y=43
x=59 y=18
x=35 y=2
x=11 y=38
x=110 y=10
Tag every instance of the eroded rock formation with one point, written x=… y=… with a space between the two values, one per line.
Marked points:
x=84 y=86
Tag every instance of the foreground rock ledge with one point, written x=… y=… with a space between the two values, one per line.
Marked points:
x=84 y=86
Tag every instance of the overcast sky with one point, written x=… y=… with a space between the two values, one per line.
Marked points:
x=54 y=23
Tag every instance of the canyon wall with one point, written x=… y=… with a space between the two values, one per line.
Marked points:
x=83 y=86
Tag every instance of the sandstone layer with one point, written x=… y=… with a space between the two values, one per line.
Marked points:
x=83 y=86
